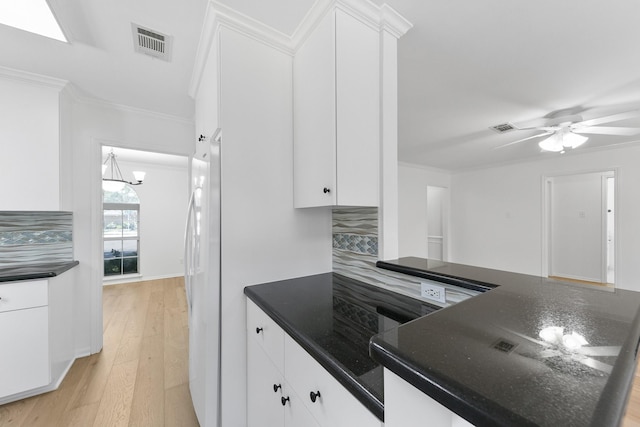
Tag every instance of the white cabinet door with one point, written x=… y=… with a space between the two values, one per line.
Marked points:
x=358 y=111
x=406 y=406
x=337 y=114
x=24 y=355
x=331 y=404
x=314 y=118
x=264 y=389
x=295 y=412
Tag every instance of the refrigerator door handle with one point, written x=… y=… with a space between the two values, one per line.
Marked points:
x=188 y=253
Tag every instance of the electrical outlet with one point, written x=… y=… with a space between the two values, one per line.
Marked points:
x=434 y=292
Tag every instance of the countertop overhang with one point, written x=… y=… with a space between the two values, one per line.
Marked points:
x=35 y=271
x=485 y=360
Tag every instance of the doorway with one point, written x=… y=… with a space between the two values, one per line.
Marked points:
x=580 y=226
x=437 y=214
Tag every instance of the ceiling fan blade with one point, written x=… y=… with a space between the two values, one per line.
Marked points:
x=611 y=118
x=608 y=130
x=524 y=139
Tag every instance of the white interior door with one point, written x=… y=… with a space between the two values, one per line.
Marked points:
x=437 y=199
x=580 y=226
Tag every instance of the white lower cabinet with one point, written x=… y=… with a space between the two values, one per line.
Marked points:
x=36 y=335
x=406 y=406
x=300 y=394
x=24 y=363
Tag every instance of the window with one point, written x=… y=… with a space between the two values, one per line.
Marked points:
x=120 y=228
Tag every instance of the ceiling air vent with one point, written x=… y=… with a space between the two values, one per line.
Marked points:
x=151 y=42
x=502 y=128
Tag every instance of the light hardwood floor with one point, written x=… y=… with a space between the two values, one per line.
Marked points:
x=139 y=379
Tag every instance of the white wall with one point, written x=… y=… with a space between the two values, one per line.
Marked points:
x=92 y=124
x=263 y=237
x=496 y=214
x=412 y=206
x=163 y=207
x=29 y=131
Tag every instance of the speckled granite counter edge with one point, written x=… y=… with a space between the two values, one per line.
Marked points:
x=35 y=271
x=325 y=359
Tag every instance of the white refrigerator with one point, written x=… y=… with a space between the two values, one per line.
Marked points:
x=202 y=280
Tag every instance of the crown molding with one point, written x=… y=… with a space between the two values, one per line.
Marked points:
x=217 y=15
x=394 y=23
x=80 y=97
x=379 y=18
x=32 y=78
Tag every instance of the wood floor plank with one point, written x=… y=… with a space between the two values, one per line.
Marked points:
x=178 y=409
x=80 y=417
x=13 y=414
x=154 y=323
x=176 y=358
x=115 y=406
x=93 y=386
x=147 y=408
x=51 y=406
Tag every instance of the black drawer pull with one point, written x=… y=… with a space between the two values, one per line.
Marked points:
x=276 y=387
x=326 y=190
x=313 y=396
x=258 y=330
x=284 y=400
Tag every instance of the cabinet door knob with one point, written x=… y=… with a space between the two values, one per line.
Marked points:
x=326 y=190
x=284 y=400
x=314 y=395
x=276 y=387
x=258 y=330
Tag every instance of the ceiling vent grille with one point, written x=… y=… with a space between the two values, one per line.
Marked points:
x=151 y=42
x=503 y=127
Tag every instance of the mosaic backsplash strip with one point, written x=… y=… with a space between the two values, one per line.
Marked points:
x=355 y=253
x=32 y=237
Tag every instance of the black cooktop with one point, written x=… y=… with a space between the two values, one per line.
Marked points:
x=334 y=317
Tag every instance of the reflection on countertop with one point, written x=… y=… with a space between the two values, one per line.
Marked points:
x=530 y=351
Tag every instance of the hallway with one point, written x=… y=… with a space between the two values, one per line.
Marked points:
x=139 y=379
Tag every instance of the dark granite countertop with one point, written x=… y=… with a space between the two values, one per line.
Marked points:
x=486 y=359
x=35 y=271
x=333 y=318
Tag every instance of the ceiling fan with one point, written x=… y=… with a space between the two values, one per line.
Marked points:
x=564 y=131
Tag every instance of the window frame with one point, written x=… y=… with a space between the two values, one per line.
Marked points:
x=120 y=206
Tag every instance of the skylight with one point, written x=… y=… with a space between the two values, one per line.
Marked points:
x=34 y=16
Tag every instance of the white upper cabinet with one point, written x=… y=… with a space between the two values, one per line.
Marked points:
x=337 y=114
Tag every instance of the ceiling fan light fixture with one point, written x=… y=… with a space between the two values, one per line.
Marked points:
x=553 y=143
x=573 y=140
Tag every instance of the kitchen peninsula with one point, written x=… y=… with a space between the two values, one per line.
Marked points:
x=531 y=351
x=528 y=351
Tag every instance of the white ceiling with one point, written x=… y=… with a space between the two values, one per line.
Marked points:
x=464 y=66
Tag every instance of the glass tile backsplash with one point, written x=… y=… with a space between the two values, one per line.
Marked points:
x=355 y=252
x=34 y=237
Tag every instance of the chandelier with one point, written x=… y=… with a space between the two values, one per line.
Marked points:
x=114 y=181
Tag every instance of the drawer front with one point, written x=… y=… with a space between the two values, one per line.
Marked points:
x=268 y=335
x=334 y=406
x=21 y=295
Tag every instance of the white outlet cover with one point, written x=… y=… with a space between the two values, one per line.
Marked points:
x=433 y=292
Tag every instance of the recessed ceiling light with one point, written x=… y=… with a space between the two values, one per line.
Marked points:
x=34 y=16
